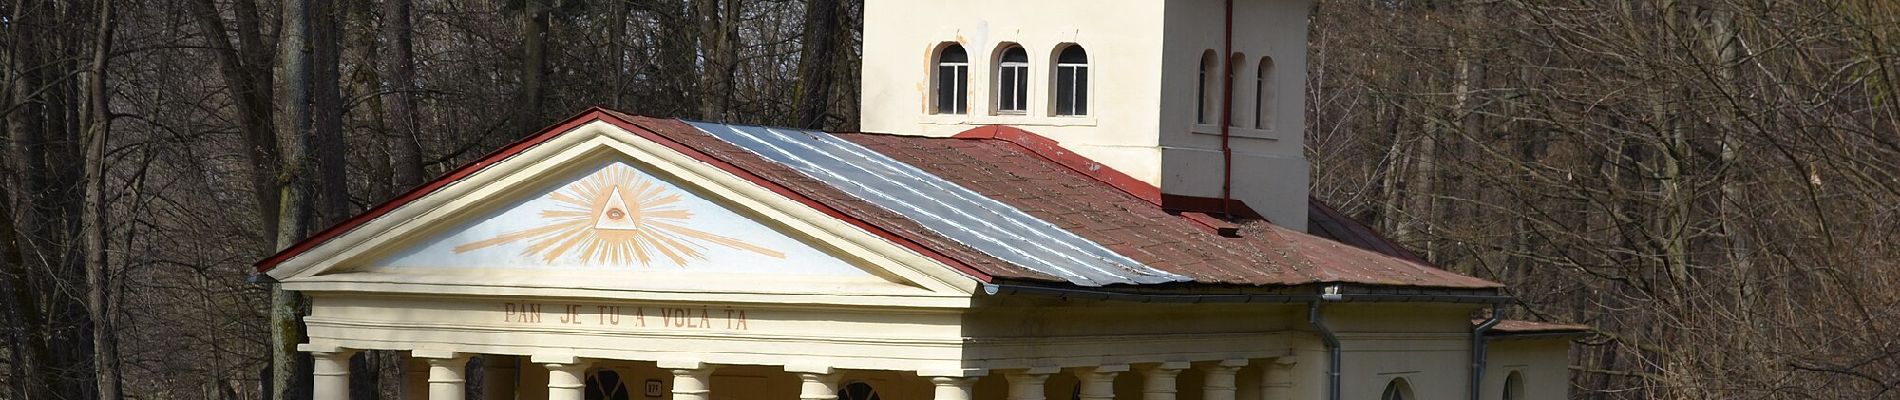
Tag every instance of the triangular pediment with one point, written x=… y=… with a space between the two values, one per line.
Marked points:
x=611 y=216
x=601 y=211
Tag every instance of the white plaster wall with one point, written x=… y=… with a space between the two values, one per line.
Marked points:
x=1145 y=59
x=1544 y=364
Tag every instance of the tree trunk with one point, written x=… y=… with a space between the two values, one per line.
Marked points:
x=248 y=76
x=105 y=347
x=405 y=151
x=333 y=194
x=295 y=132
x=718 y=28
x=534 y=59
x=823 y=23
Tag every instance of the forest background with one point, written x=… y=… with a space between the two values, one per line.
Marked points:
x=1713 y=185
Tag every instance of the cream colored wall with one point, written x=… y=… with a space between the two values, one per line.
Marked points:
x=1144 y=59
x=1036 y=331
x=1543 y=363
x=1427 y=345
x=1270 y=172
x=900 y=36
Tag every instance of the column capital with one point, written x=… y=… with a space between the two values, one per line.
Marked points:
x=808 y=367
x=435 y=354
x=554 y=358
x=953 y=372
x=678 y=364
x=1031 y=371
x=957 y=381
x=1169 y=366
x=314 y=348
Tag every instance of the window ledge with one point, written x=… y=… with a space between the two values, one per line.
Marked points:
x=1207 y=129
x=1006 y=119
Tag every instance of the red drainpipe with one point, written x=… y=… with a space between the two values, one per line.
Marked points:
x=1227 y=115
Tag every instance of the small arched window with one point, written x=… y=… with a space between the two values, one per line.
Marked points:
x=1263 y=95
x=1012 y=81
x=1204 y=88
x=953 y=80
x=858 y=391
x=1072 y=81
x=1514 y=386
x=606 y=385
x=1397 y=390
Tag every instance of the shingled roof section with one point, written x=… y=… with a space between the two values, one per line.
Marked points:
x=1263 y=255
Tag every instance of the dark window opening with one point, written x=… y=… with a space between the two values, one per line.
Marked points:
x=953 y=80
x=606 y=385
x=1072 y=82
x=857 y=391
x=1012 y=83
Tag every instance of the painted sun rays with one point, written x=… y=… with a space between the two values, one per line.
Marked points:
x=616 y=216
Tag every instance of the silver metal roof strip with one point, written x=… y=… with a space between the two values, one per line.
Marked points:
x=859 y=185
x=865 y=169
x=1011 y=215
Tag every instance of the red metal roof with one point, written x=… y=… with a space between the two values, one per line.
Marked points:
x=1016 y=168
x=1264 y=254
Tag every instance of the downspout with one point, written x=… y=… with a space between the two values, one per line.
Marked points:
x=1227 y=114
x=1332 y=340
x=1478 y=357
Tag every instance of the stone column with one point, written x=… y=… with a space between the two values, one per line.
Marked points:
x=446 y=368
x=1098 y=383
x=330 y=372
x=952 y=388
x=692 y=380
x=1027 y=385
x=1220 y=380
x=567 y=380
x=1159 y=384
x=498 y=377
x=815 y=382
x=1276 y=380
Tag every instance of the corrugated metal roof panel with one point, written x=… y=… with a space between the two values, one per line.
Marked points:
x=944 y=207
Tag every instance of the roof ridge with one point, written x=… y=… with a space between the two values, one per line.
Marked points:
x=1050 y=149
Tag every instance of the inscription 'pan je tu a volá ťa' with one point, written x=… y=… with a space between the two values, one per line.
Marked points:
x=681 y=317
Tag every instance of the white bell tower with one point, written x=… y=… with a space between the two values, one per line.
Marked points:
x=1139 y=85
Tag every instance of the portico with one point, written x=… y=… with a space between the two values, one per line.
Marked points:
x=620 y=257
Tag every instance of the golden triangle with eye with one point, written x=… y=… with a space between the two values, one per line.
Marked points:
x=616 y=216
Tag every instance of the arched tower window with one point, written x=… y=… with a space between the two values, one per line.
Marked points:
x=1072 y=81
x=1397 y=390
x=1012 y=81
x=1263 y=95
x=1514 y=386
x=857 y=391
x=953 y=80
x=1234 y=65
x=1204 y=88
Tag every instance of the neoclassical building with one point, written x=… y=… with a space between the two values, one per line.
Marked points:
x=1052 y=200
